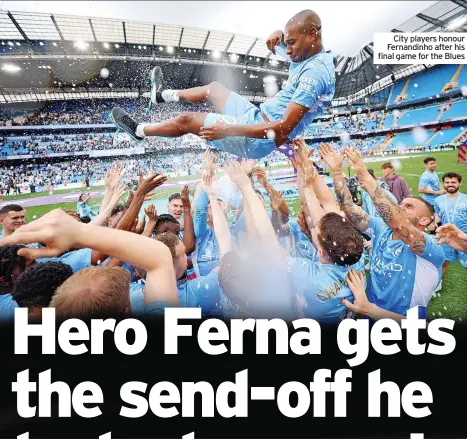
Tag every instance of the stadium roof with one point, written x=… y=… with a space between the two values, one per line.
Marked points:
x=28 y=36
x=37 y=26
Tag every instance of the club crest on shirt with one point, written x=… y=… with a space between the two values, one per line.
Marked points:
x=397 y=251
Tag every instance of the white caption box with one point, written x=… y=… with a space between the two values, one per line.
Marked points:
x=420 y=48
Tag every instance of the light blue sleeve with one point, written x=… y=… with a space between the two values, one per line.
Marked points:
x=311 y=85
x=206 y=290
x=239 y=226
x=424 y=181
x=77 y=260
x=433 y=253
x=377 y=225
x=200 y=219
x=7 y=308
x=436 y=206
x=281 y=50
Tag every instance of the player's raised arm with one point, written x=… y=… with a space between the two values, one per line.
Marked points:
x=356 y=214
x=394 y=216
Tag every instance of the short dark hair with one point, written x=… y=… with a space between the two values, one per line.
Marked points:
x=9 y=259
x=387 y=165
x=372 y=173
x=427 y=204
x=453 y=175
x=429 y=159
x=11 y=208
x=36 y=285
x=165 y=218
x=176 y=196
x=340 y=239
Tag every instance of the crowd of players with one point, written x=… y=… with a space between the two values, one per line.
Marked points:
x=232 y=257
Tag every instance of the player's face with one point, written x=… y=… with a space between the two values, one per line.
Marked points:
x=180 y=260
x=168 y=227
x=299 y=42
x=387 y=172
x=451 y=185
x=175 y=208
x=14 y=220
x=431 y=166
x=416 y=211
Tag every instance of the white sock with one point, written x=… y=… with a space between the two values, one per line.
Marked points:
x=140 y=130
x=170 y=95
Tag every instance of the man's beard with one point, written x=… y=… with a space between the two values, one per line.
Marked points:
x=452 y=190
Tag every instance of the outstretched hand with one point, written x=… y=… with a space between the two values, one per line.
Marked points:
x=355 y=161
x=260 y=175
x=333 y=159
x=151 y=213
x=449 y=234
x=113 y=176
x=237 y=175
x=150 y=182
x=185 y=195
x=356 y=283
x=56 y=230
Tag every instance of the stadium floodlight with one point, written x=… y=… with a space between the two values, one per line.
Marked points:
x=55 y=44
x=139 y=47
x=81 y=45
x=457 y=23
x=11 y=68
x=117 y=46
x=257 y=59
x=273 y=62
x=18 y=43
x=161 y=48
x=41 y=43
x=106 y=45
x=233 y=58
x=216 y=54
x=170 y=49
x=10 y=43
x=144 y=47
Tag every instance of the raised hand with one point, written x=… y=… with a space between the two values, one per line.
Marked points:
x=151 y=212
x=302 y=157
x=206 y=185
x=333 y=159
x=209 y=162
x=113 y=176
x=150 y=182
x=260 y=175
x=118 y=192
x=185 y=194
x=356 y=163
x=248 y=165
x=274 y=40
x=449 y=234
x=237 y=175
x=276 y=199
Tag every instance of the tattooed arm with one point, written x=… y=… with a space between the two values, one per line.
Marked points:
x=394 y=216
x=360 y=219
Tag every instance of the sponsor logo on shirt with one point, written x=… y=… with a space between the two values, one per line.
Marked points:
x=331 y=292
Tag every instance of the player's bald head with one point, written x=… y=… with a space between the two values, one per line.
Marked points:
x=305 y=20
